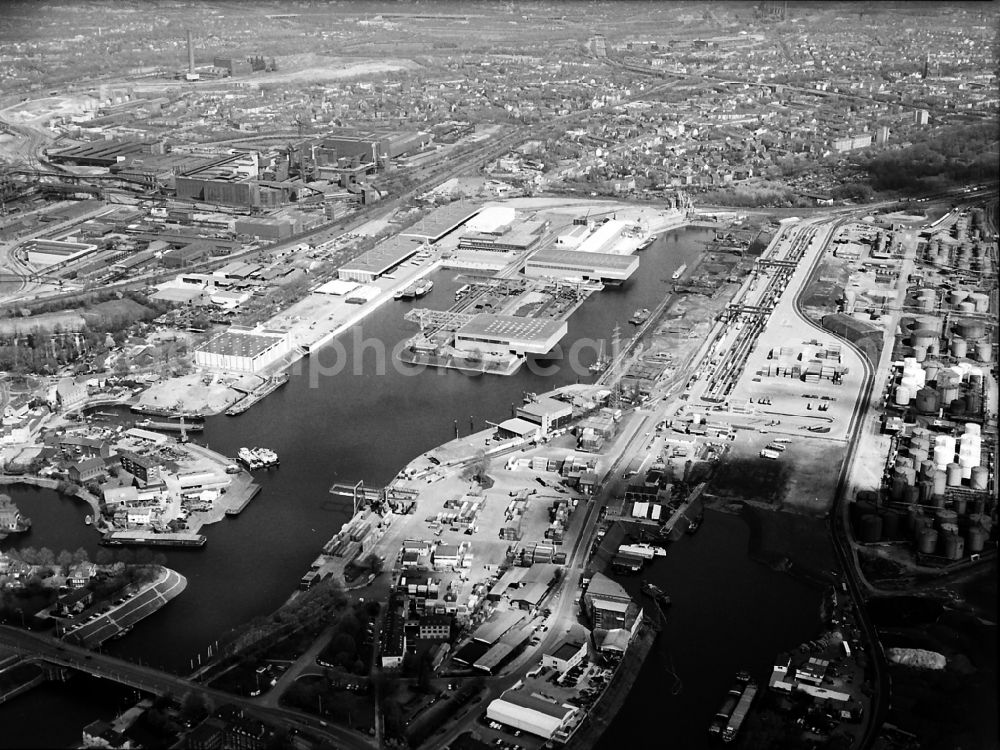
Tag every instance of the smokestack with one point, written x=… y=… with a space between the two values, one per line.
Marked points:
x=190 y=53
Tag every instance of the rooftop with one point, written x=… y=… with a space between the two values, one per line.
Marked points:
x=584 y=260
x=381 y=258
x=510 y=327
x=240 y=343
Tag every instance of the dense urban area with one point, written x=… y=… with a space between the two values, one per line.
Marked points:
x=498 y=375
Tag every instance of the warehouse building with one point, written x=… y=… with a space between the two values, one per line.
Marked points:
x=531 y=712
x=53 y=252
x=548 y=413
x=573 y=265
x=243 y=350
x=379 y=260
x=508 y=334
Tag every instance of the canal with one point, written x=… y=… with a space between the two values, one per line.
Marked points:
x=348 y=420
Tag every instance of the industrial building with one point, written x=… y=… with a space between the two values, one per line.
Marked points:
x=379 y=260
x=242 y=350
x=531 y=712
x=581 y=266
x=548 y=413
x=609 y=605
x=508 y=334
x=44 y=253
x=565 y=656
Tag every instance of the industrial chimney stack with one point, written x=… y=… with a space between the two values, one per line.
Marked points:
x=190 y=53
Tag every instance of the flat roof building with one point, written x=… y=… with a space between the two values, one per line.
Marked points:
x=379 y=260
x=242 y=350
x=572 y=264
x=52 y=252
x=503 y=334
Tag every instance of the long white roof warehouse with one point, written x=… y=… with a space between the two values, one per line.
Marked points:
x=572 y=264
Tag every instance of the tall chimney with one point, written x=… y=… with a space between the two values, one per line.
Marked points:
x=190 y=53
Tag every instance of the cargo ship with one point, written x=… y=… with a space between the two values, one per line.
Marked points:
x=640 y=316
x=407 y=293
x=258 y=395
x=728 y=707
x=679 y=272
x=257 y=458
x=732 y=727
x=658 y=594
x=646 y=243
x=152 y=424
x=643 y=550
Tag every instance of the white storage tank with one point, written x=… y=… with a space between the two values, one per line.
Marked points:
x=903 y=395
x=979 y=478
x=958 y=347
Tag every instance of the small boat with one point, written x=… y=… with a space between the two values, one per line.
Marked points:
x=693 y=526
x=88 y=520
x=646 y=243
x=423 y=287
x=643 y=550
x=407 y=293
x=640 y=316
x=679 y=272
x=771 y=454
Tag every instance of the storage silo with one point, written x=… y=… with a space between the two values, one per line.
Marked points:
x=927 y=400
x=954 y=477
x=959 y=504
x=972 y=428
x=931 y=369
x=956 y=296
x=920 y=353
x=973 y=403
x=981 y=301
x=956 y=407
x=940 y=480
x=970 y=329
x=912 y=493
x=958 y=347
x=927 y=542
x=903 y=395
x=975 y=540
x=948 y=544
x=966 y=307
x=945 y=517
x=871 y=529
x=927 y=469
x=923 y=337
x=979 y=479
x=984 y=351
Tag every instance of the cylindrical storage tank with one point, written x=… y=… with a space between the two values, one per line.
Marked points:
x=944 y=517
x=959 y=505
x=984 y=351
x=978 y=503
x=920 y=353
x=954 y=475
x=925 y=302
x=975 y=540
x=936 y=501
x=958 y=347
x=976 y=381
x=910 y=522
x=918 y=455
x=950 y=546
x=948 y=377
x=927 y=542
x=859 y=510
x=927 y=469
x=940 y=480
x=903 y=462
x=981 y=301
x=979 y=479
x=957 y=407
x=971 y=428
x=903 y=395
x=931 y=369
x=949 y=394
x=956 y=296
x=920 y=524
x=891 y=523
x=927 y=400
x=973 y=403
x=898 y=489
x=970 y=329
x=943 y=456
x=911 y=494
x=871 y=529
x=966 y=307
x=923 y=337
